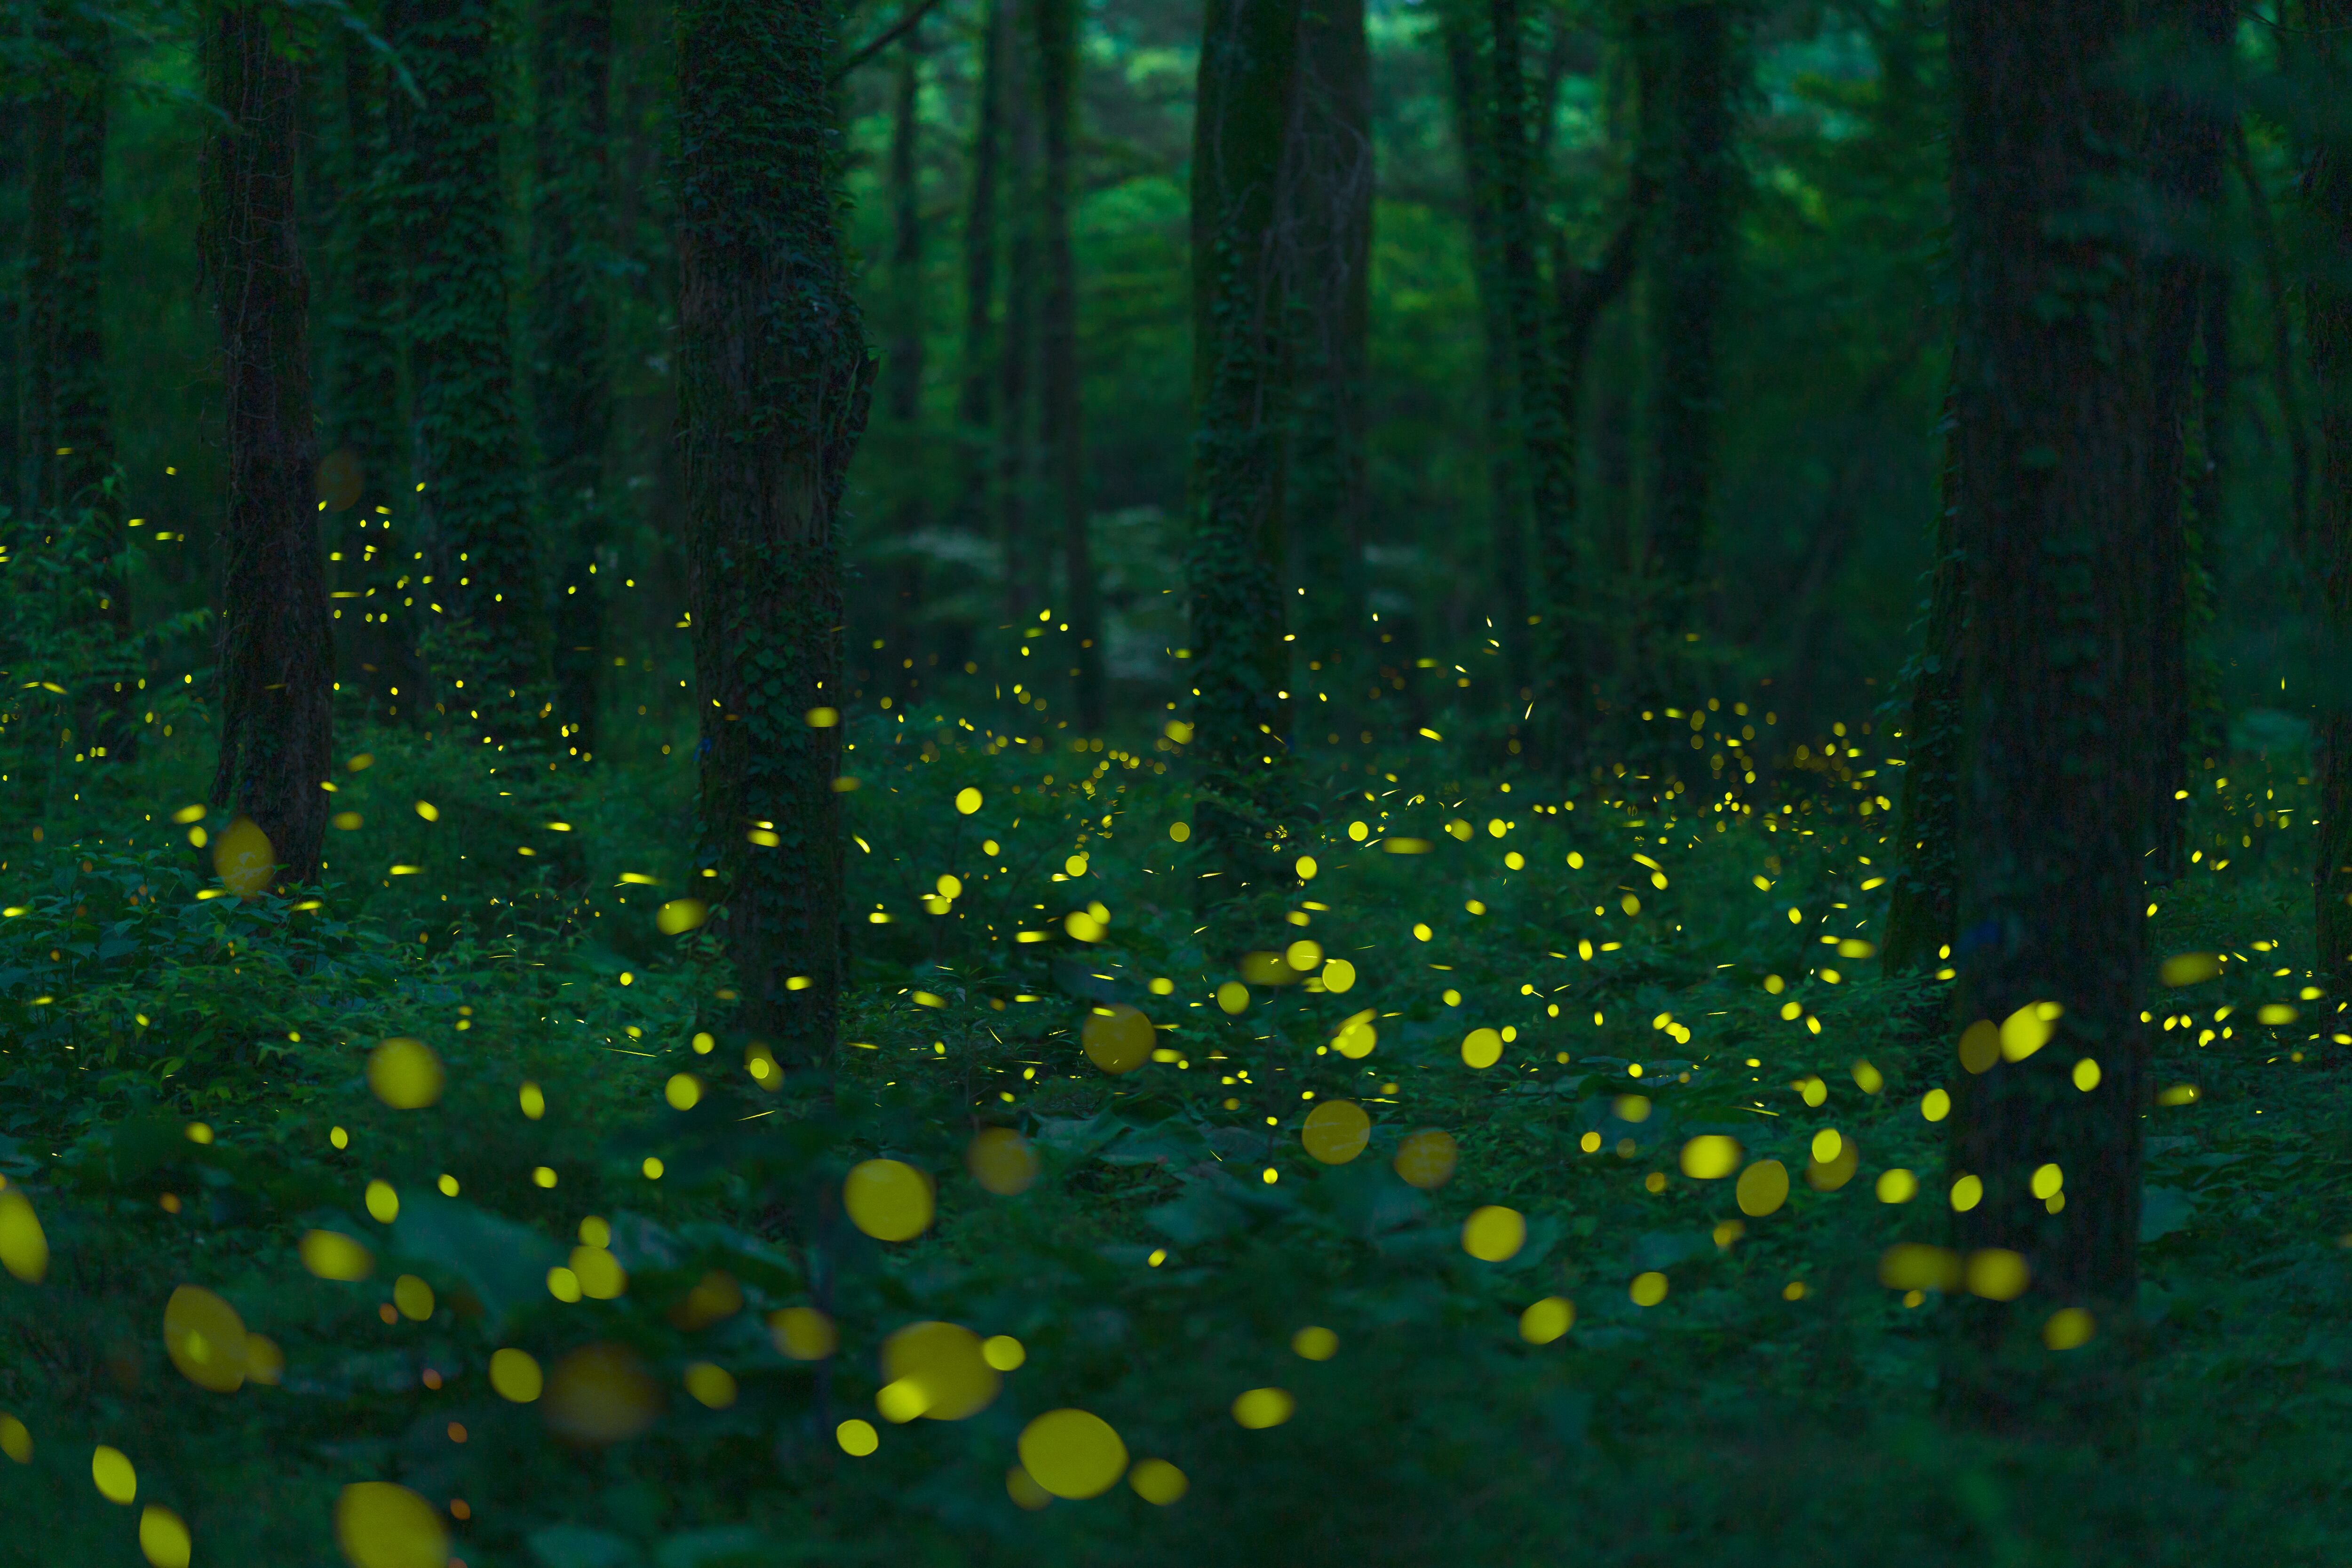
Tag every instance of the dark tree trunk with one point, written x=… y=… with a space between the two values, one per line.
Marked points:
x=2327 y=318
x=902 y=365
x=277 y=655
x=1470 y=96
x=1919 y=901
x=1689 y=143
x=572 y=246
x=975 y=402
x=1016 y=411
x=490 y=630
x=1241 y=399
x=1331 y=227
x=773 y=381
x=1057 y=76
x=2053 y=410
x=67 y=412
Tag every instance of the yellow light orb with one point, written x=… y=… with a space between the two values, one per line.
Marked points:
x=116 y=1479
x=515 y=1376
x=1763 y=1188
x=381 y=1525
x=1260 y=1408
x=1547 y=1320
x=243 y=859
x=1233 y=996
x=15 y=1440
x=1119 y=1041
x=684 y=1091
x=2069 y=1328
x=1337 y=1132
x=163 y=1537
x=1494 y=1234
x=1073 y=1453
x=1426 y=1160
x=857 y=1438
x=264 y=1362
x=1482 y=1048
x=1357 y=1038
x=601 y=1393
x=712 y=1386
x=1648 y=1289
x=330 y=1254
x=940 y=1371
x=1180 y=831
x=1003 y=1352
x=1339 y=975
x=204 y=1338
x=1001 y=1160
x=383 y=1202
x=1996 y=1274
x=1158 y=1482
x=1315 y=1343
x=1914 y=1266
x=1711 y=1157
x=24 y=1248
x=804 y=1333
x=413 y=1298
x=404 y=1074
x=967 y=800
x=888 y=1199
x=1897 y=1186
x=679 y=916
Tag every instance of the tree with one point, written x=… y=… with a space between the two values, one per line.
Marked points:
x=1016 y=348
x=277 y=657
x=1919 y=899
x=774 y=382
x=571 y=392
x=1330 y=225
x=902 y=355
x=974 y=400
x=1057 y=83
x=2052 y=419
x=2328 y=193
x=1244 y=108
x=480 y=554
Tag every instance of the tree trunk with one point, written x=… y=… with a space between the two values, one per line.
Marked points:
x=1241 y=401
x=571 y=245
x=2053 y=424
x=1331 y=222
x=974 y=403
x=276 y=657
x=902 y=365
x=490 y=631
x=1689 y=140
x=1058 y=59
x=2327 y=318
x=1470 y=96
x=1016 y=450
x=1919 y=902
x=772 y=402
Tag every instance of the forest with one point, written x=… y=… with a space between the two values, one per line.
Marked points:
x=1151 y=781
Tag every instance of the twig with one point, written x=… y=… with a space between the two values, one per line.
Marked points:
x=896 y=31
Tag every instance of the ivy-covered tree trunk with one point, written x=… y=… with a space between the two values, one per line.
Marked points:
x=773 y=381
x=276 y=657
x=1057 y=81
x=571 y=383
x=1919 y=898
x=2327 y=304
x=2053 y=423
x=1242 y=404
x=975 y=402
x=1688 y=139
x=468 y=452
x=1470 y=97
x=902 y=366
x=1331 y=224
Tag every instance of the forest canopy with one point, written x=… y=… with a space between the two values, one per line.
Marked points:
x=1010 y=781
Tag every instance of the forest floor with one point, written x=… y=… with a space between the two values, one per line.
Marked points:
x=187 y=1096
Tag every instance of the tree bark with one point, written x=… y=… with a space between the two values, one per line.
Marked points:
x=571 y=392
x=772 y=392
x=975 y=403
x=1016 y=412
x=1331 y=227
x=1690 y=143
x=2053 y=408
x=276 y=654
x=490 y=631
x=1242 y=371
x=2327 y=321
x=1919 y=901
x=902 y=366
x=1057 y=76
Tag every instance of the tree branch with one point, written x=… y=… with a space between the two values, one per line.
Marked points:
x=896 y=30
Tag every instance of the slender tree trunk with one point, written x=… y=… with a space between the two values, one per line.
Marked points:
x=2286 y=386
x=1016 y=414
x=1057 y=57
x=975 y=403
x=771 y=405
x=490 y=631
x=2055 y=435
x=902 y=365
x=1919 y=902
x=1331 y=224
x=2328 y=317
x=571 y=244
x=276 y=657
x=1690 y=265
x=1470 y=95
x=1242 y=404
